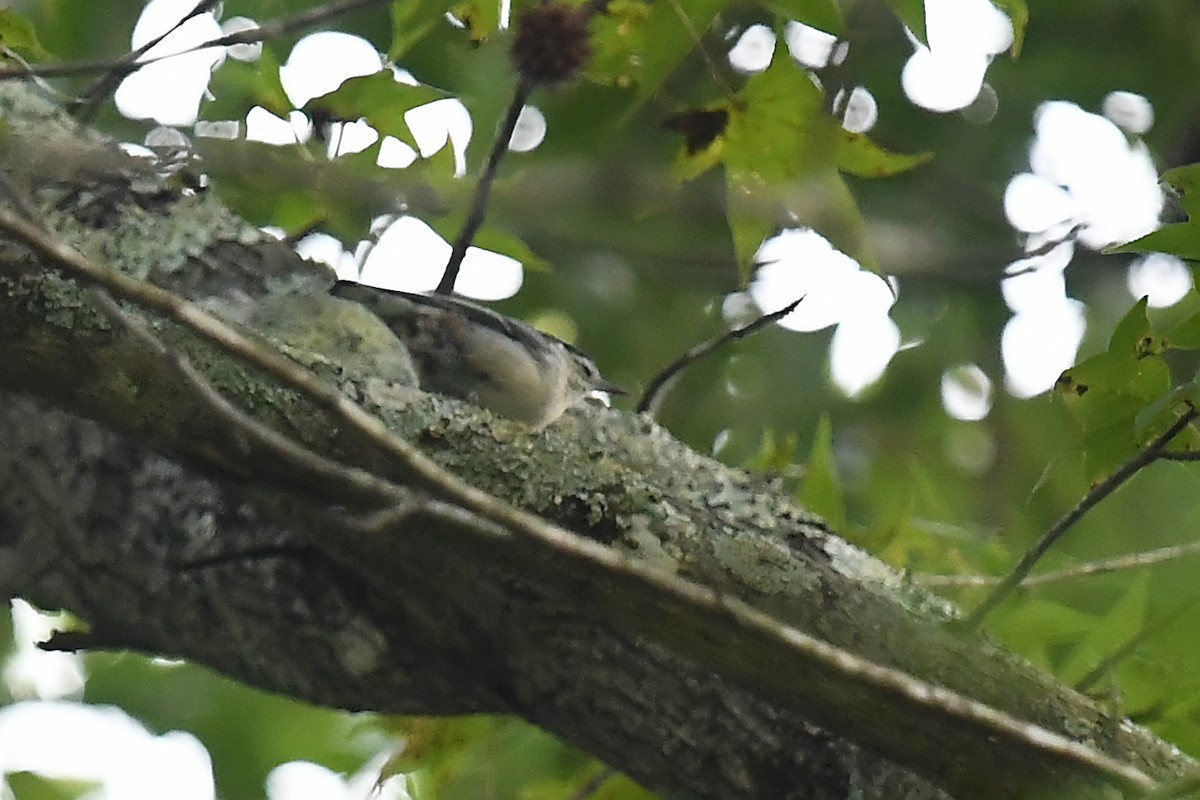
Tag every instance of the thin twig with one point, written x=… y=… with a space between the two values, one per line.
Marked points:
x=1044 y=249
x=1190 y=455
x=1145 y=456
x=1087 y=569
x=45 y=88
x=659 y=382
x=85 y=105
x=268 y=30
x=483 y=188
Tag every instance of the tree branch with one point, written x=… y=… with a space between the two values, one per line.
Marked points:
x=616 y=606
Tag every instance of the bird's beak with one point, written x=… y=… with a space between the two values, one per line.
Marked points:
x=610 y=387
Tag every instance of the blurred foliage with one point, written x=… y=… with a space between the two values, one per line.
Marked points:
x=31 y=786
x=471 y=757
x=247 y=732
x=662 y=170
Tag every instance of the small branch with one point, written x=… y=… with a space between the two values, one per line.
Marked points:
x=45 y=88
x=268 y=30
x=70 y=642
x=1147 y=455
x=659 y=382
x=1191 y=455
x=1087 y=569
x=85 y=105
x=1043 y=249
x=483 y=188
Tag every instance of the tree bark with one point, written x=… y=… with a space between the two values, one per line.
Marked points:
x=685 y=622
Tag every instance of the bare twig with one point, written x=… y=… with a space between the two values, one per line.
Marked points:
x=85 y=105
x=1087 y=569
x=45 y=88
x=271 y=29
x=659 y=382
x=1145 y=456
x=1043 y=250
x=1191 y=455
x=483 y=188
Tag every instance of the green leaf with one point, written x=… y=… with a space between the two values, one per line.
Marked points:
x=618 y=38
x=471 y=757
x=859 y=155
x=1125 y=619
x=379 y=99
x=272 y=185
x=780 y=131
x=824 y=15
x=1133 y=336
x=703 y=131
x=18 y=35
x=1185 y=335
x=480 y=19
x=621 y=788
x=640 y=44
x=1109 y=392
x=412 y=21
x=238 y=86
x=821 y=491
x=912 y=14
x=493 y=238
x=1180 y=238
x=779 y=149
x=774 y=455
x=34 y=786
x=1018 y=15
x=1039 y=627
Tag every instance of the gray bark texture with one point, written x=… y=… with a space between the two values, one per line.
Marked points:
x=683 y=621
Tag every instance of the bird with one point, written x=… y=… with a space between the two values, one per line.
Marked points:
x=490 y=360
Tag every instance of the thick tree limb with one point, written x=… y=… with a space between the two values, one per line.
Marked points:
x=683 y=621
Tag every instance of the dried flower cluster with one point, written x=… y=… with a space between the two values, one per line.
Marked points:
x=551 y=44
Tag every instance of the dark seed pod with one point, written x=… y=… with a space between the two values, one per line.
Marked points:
x=551 y=44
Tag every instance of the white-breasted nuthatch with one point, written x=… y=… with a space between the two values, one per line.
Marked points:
x=496 y=362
